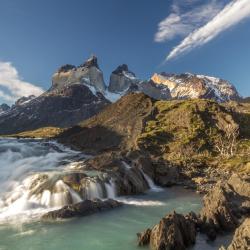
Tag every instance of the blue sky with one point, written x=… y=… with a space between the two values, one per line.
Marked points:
x=36 y=37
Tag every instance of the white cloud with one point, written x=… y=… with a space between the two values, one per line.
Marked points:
x=15 y=86
x=230 y=15
x=180 y=23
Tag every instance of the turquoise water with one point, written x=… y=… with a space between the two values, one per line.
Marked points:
x=21 y=229
x=111 y=230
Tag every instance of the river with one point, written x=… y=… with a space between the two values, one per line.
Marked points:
x=20 y=227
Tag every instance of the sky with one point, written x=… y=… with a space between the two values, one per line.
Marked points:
x=175 y=36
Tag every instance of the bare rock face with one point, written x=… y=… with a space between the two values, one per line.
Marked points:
x=62 y=107
x=144 y=237
x=121 y=79
x=185 y=86
x=174 y=232
x=81 y=209
x=75 y=95
x=241 y=239
x=88 y=73
x=224 y=205
x=156 y=91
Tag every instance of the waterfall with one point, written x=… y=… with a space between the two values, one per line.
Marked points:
x=151 y=183
x=126 y=165
x=110 y=189
x=93 y=190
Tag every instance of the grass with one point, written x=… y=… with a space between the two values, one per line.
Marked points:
x=46 y=132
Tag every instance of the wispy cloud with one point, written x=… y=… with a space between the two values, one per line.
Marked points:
x=201 y=23
x=231 y=15
x=183 y=19
x=15 y=86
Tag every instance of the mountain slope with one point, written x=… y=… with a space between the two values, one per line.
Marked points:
x=181 y=132
x=75 y=95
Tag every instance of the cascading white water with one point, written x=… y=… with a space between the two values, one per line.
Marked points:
x=23 y=165
x=31 y=179
x=93 y=190
x=110 y=189
x=151 y=183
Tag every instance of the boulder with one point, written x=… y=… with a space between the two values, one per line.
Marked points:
x=241 y=239
x=174 y=232
x=224 y=206
x=81 y=209
x=144 y=237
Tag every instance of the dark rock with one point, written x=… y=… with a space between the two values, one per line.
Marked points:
x=80 y=209
x=120 y=69
x=224 y=205
x=62 y=107
x=66 y=68
x=121 y=79
x=144 y=237
x=174 y=232
x=241 y=239
x=91 y=62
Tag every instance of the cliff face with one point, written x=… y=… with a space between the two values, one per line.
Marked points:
x=88 y=73
x=185 y=86
x=75 y=95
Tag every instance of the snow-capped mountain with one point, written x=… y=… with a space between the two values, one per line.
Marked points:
x=79 y=92
x=75 y=95
x=184 y=86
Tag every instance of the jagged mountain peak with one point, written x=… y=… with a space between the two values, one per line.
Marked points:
x=91 y=62
x=121 y=79
x=120 y=69
x=87 y=73
x=66 y=68
x=188 y=85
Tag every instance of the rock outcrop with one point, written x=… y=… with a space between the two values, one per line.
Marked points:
x=241 y=239
x=186 y=86
x=225 y=205
x=84 y=208
x=121 y=79
x=224 y=208
x=75 y=95
x=174 y=232
x=87 y=73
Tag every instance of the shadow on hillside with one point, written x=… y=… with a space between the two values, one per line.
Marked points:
x=243 y=119
x=91 y=139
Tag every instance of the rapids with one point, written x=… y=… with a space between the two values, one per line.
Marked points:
x=32 y=182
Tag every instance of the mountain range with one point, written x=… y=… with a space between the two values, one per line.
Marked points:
x=79 y=92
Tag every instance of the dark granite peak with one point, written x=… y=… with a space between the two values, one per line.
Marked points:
x=66 y=68
x=91 y=62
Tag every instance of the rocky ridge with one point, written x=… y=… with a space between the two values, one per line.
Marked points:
x=79 y=92
x=184 y=86
x=241 y=239
x=75 y=95
x=224 y=209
